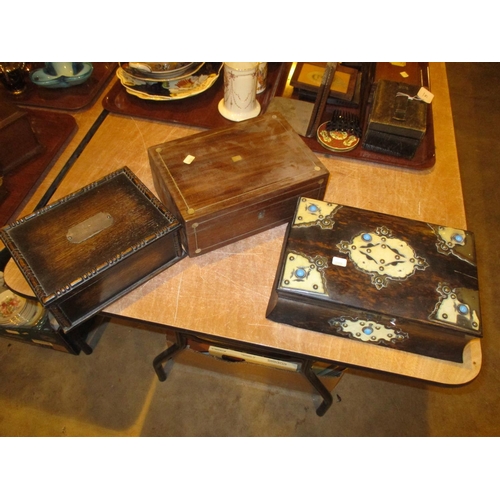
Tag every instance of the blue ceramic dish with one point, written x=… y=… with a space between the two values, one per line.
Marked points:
x=44 y=77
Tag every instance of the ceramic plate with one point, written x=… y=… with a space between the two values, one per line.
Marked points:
x=183 y=88
x=141 y=78
x=336 y=140
x=181 y=70
x=17 y=311
x=10 y=306
x=43 y=79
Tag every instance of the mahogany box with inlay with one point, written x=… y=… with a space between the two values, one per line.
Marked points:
x=84 y=251
x=229 y=183
x=378 y=279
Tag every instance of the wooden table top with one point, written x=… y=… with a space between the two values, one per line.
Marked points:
x=225 y=293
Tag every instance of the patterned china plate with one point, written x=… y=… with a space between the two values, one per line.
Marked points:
x=16 y=310
x=183 y=88
x=142 y=77
x=334 y=140
x=161 y=70
x=10 y=306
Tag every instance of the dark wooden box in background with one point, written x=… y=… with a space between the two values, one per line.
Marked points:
x=84 y=251
x=398 y=120
x=229 y=183
x=378 y=279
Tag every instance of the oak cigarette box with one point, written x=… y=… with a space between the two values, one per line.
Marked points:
x=229 y=183
x=84 y=251
x=378 y=279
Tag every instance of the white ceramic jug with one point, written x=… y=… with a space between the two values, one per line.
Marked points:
x=240 y=90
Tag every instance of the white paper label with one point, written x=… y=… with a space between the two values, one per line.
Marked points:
x=189 y=159
x=425 y=95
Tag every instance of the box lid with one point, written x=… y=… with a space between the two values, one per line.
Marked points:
x=381 y=264
x=226 y=167
x=397 y=110
x=85 y=233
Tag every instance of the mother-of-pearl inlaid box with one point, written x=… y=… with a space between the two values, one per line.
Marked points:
x=378 y=279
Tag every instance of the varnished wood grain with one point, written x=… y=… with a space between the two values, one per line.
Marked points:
x=89 y=248
x=225 y=293
x=240 y=179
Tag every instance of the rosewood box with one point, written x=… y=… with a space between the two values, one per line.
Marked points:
x=229 y=183
x=84 y=251
x=378 y=279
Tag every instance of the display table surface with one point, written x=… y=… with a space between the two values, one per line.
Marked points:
x=224 y=293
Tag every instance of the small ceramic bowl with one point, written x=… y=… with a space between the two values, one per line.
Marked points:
x=62 y=75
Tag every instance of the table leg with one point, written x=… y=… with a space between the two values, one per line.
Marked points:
x=82 y=344
x=179 y=344
x=316 y=383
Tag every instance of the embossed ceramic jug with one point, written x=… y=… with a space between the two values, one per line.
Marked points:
x=240 y=89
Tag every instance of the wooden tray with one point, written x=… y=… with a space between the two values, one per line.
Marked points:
x=197 y=111
x=69 y=99
x=424 y=158
x=53 y=130
x=201 y=111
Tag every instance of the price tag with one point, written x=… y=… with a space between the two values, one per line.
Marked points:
x=425 y=95
x=339 y=261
